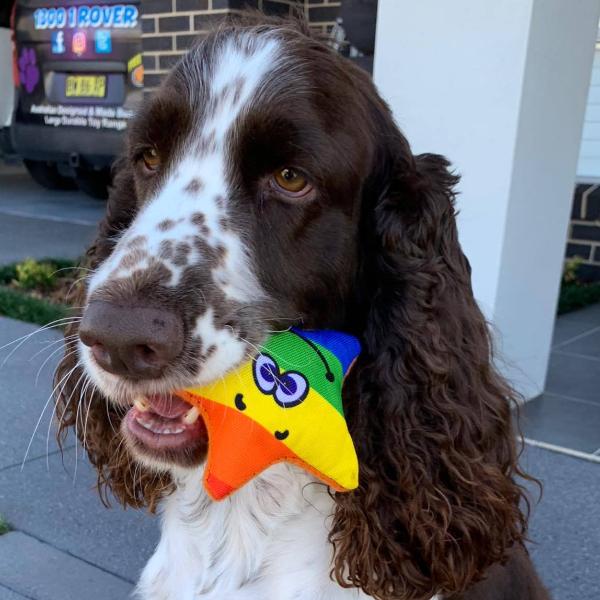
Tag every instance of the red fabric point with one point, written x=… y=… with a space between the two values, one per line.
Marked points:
x=216 y=488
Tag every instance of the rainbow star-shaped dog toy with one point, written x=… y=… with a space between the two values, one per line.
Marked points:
x=284 y=405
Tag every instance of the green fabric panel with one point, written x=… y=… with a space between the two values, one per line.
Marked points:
x=293 y=353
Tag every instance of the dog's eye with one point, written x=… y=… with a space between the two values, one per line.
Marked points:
x=151 y=159
x=291 y=182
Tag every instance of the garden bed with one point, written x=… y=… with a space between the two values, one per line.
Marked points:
x=39 y=291
x=4 y=526
x=574 y=292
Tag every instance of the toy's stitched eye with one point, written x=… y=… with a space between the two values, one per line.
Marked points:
x=266 y=373
x=151 y=159
x=291 y=390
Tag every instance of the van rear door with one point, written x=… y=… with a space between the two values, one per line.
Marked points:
x=80 y=77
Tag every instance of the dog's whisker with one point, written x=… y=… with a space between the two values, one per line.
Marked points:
x=70 y=350
x=74 y=283
x=48 y=344
x=75 y=268
x=274 y=354
x=87 y=416
x=52 y=417
x=78 y=405
x=106 y=404
x=41 y=417
x=53 y=324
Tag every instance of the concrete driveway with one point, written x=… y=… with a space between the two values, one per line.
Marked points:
x=39 y=223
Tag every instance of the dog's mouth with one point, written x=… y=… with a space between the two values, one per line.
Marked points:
x=164 y=425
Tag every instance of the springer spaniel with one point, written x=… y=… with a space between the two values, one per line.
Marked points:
x=266 y=185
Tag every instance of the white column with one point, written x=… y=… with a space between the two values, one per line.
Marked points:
x=6 y=85
x=499 y=87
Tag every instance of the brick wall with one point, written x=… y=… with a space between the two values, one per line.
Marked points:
x=584 y=230
x=169 y=27
x=322 y=13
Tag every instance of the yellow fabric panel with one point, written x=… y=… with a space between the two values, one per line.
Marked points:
x=314 y=430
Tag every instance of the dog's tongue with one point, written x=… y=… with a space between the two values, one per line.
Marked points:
x=168 y=406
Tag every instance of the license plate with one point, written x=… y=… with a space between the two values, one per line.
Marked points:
x=85 y=86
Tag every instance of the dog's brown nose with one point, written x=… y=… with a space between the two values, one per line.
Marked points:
x=137 y=343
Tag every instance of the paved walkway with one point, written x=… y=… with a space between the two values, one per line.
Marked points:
x=63 y=539
x=567 y=415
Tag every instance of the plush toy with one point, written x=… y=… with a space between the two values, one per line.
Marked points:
x=283 y=405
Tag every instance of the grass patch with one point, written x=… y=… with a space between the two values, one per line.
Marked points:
x=37 y=291
x=574 y=293
x=4 y=526
x=21 y=272
x=18 y=305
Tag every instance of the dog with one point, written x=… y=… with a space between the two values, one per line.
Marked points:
x=265 y=185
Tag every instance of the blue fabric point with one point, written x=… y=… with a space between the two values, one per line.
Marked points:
x=343 y=345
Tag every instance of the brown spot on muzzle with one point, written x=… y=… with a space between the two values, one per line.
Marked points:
x=213 y=256
x=182 y=251
x=137 y=241
x=166 y=249
x=199 y=219
x=207 y=144
x=141 y=286
x=220 y=254
x=130 y=260
x=194 y=186
x=166 y=225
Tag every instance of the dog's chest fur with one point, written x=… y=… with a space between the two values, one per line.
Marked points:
x=268 y=541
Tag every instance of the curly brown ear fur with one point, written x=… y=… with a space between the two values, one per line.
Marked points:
x=78 y=405
x=437 y=503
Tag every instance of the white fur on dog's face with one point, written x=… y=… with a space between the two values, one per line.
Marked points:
x=186 y=223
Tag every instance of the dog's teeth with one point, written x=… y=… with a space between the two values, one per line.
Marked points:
x=191 y=416
x=141 y=404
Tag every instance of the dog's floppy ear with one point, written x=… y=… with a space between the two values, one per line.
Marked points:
x=79 y=405
x=429 y=414
x=120 y=210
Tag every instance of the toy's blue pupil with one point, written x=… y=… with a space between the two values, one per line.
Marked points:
x=289 y=386
x=267 y=373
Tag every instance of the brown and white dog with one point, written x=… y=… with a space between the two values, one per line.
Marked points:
x=266 y=185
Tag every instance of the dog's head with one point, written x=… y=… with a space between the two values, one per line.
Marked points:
x=266 y=185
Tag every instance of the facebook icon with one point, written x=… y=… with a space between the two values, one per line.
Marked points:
x=103 y=41
x=58 y=42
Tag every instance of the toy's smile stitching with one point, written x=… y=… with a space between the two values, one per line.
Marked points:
x=241 y=406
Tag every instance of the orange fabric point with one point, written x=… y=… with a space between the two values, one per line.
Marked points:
x=231 y=433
